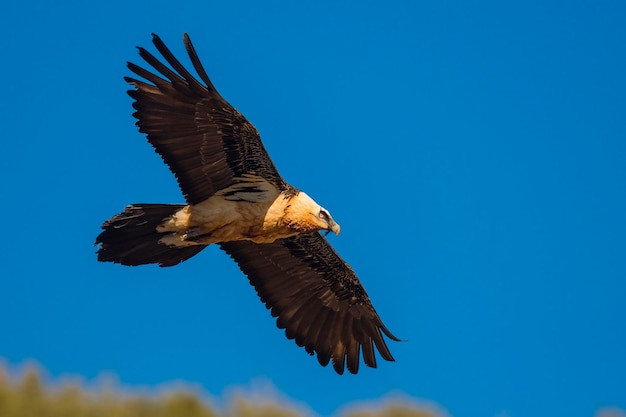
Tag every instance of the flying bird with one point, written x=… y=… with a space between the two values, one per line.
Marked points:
x=237 y=199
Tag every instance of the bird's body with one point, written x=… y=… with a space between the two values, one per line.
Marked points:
x=251 y=209
x=236 y=199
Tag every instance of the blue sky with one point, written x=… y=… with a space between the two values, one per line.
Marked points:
x=474 y=155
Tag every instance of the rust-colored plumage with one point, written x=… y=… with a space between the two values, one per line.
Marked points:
x=237 y=199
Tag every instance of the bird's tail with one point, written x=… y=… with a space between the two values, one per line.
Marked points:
x=131 y=237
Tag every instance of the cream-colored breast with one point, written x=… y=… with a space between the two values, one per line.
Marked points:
x=227 y=216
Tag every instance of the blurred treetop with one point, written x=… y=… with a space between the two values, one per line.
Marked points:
x=26 y=395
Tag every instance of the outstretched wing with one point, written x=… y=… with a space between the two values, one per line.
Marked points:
x=317 y=298
x=203 y=139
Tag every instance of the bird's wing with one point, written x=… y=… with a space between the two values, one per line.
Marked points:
x=203 y=139
x=317 y=298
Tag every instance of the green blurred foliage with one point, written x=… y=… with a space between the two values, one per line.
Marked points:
x=27 y=395
x=394 y=410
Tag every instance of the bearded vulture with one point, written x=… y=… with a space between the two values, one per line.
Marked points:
x=237 y=199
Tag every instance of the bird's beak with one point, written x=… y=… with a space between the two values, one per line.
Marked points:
x=333 y=227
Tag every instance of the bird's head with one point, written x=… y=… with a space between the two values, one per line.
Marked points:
x=305 y=215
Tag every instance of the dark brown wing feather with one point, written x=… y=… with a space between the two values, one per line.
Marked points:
x=317 y=298
x=199 y=135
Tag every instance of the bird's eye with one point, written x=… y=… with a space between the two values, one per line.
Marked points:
x=323 y=214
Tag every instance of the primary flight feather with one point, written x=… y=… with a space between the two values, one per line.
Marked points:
x=237 y=199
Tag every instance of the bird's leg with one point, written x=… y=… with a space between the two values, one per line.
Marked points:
x=195 y=234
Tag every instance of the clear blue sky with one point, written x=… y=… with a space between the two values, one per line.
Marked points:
x=474 y=154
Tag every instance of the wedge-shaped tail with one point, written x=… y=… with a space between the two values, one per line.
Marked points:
x=131 y=237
